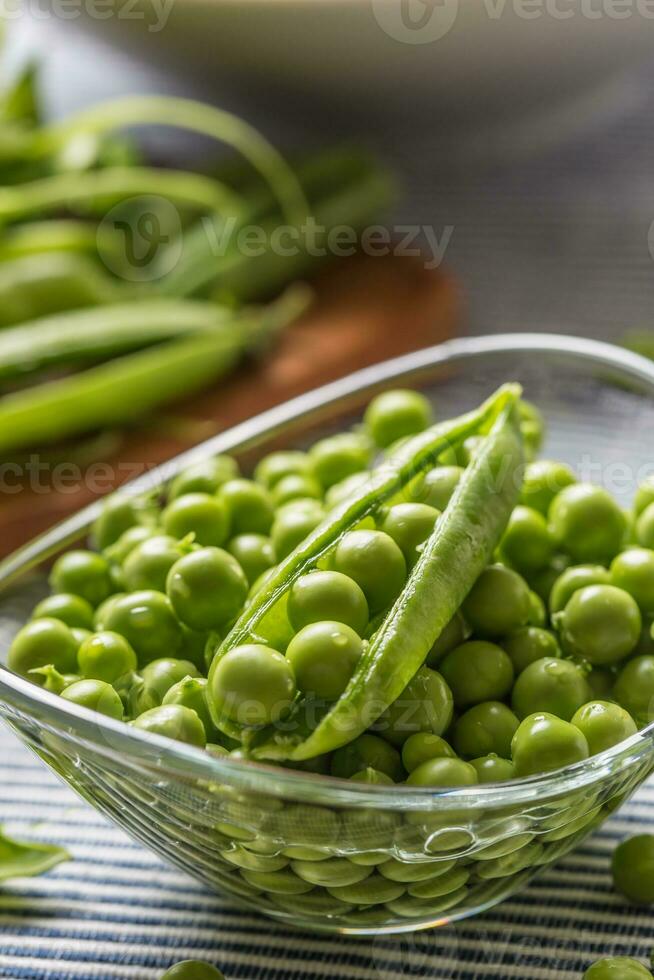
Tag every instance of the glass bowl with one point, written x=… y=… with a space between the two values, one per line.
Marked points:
x=328 y=854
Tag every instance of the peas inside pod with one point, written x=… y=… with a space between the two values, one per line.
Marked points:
x=366 y=608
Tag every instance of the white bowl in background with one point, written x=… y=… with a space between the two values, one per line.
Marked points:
x=430 y=61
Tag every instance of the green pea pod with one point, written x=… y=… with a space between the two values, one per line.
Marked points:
x=455 y=555
x=483 y=527
x=132 y=385
x=36 y=285
x=98 y=333
x=23 y=859
x=97 y=189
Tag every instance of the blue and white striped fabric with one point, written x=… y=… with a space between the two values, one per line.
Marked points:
x=116 y=911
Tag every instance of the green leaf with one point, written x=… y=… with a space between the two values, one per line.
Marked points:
x=23 y=859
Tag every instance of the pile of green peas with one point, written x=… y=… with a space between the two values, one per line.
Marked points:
x=549 y=660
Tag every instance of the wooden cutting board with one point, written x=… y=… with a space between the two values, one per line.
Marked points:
x=365 y=310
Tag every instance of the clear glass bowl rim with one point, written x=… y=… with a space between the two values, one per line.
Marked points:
x=184 y=762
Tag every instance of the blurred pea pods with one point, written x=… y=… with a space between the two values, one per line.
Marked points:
x=123 y=389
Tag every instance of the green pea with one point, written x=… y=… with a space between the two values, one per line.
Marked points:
x=160 y=675
x=367 y=751
x=291 y=527
x=248 y=505
x=441 y=884
x=326 y=595
x=83 y=573
x=284 y=882
x=206 y=476
x=323 y=657
x=425 y=705
x=296 y=486
x=422 y=746
x=337 y=457
x=443 y=772
x=412 y=872
x=147 y=621
x=586 y=522
x=645 y=643
x=453 y=635
x=121 y=511
x=252 y=684
x=633 y=571
x=484 y=729
x=106 y=656
x=634 y=688
x=409 y=525
x=376 y=564
x=544 y=743
x=95 y=695
x=644 y=495
x=373 y=777
x=543 y=480
x=117 y=552
x=275 y=466
x=528 y=644
x=510 y=864
x=254 y=553
x=526 y=542
x=333 y=871
x=601 y=624
x=396 y=414
x=42 y=642
x=532 y=426
x=477 y=671
x=193 y=970
x=633 y=868
x=617 y=968
x=645 y=528
x=436 y=487
x=558 y=687
x=411 y=907
x=537 y=611
x=191 y=692
x=492 y=769
x=173 y=721
x=200 y=514
x=575 y=578
x=100 y=615
x=70 y=609
x=148 y=563
x=603 y=725
x=207 y=588
x=375 y=890
x=498 y=602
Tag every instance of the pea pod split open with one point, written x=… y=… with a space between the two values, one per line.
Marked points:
x=451 y=561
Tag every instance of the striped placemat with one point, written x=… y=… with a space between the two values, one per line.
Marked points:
x=116 y=911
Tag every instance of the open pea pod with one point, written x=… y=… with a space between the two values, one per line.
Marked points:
x=451 y=561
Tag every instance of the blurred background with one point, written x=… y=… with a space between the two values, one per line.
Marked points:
x=494 y=160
